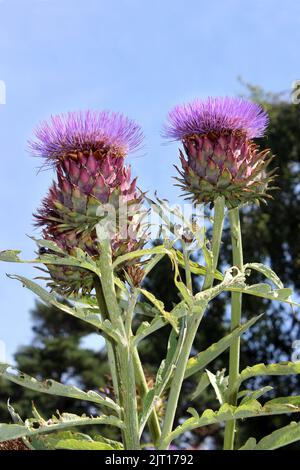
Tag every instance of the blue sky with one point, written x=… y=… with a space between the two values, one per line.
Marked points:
x=139 y=57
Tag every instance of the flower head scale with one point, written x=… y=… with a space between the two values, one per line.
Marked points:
x=216 y=115
x=85 y=131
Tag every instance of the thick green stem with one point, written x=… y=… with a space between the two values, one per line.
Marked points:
x=141 y=381
x=127 y=386
x=110 y=346
x=192 y=327
x=153 y=422
x=194 y=320
x=219 y=206
x=236 y=309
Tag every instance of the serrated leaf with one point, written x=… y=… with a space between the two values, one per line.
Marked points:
x=146 y=328
x=10 y=256
x=74 y=444
x=247 y=395
x=51 y=387
x=81 y=260
x=202 y=359
x=161 y=308
x=228 y=412
x=77 y=312
x=157 y=250
x=265 y=291
x=64 y=421
x=266 y=271
x=279 y=438
x=197 y=268
x=279 y=368
x=219 y=384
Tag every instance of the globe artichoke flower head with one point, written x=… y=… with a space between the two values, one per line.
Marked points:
x=87 y=151
x=221 y=158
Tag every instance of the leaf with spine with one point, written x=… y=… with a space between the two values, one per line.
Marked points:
x=50 y=245
x=219 y=384
x=266 y=292
x=202 y=359
x=81 y=260
x=185 y=293
x=145 y=329
x=247 y=395
x=157 y=250
x=64 y=421
x=233 y=278
x=50 y=299
x=203 y=383
x=161 y=308
x=163 y=375
x=196 y=268
x=228 y=412
x=279 y=438
x=266 y=271
x=279 y=368
x=163 y=209
x=51 y=387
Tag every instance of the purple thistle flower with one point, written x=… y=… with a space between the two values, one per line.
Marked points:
x=88 y=151
x=216 y=115
x=85 y=131
x=222 y=159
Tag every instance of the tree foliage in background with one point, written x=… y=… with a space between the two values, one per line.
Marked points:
x=270 y=235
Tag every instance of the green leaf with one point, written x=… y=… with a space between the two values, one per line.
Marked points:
x=48 y=442
x=77 y=312
x=81 y=260
x=266 y=271
x=196 y=268
x=228 y=412
x=202 y=359
x=247 y=395
x=10 y=256
x=158 y=250
x=77 y=444
x=164 y=374
x=64 y=421
x=265 y=291
x=51 y=387
x=161 y=308
x=279 y=438
x=219 y=384
x=48 y=244
x=280 y=368
x=146 y=328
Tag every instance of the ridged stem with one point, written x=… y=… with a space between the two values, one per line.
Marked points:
x=193 y=322
x=127 y=386
x=236 y=309
x=110 y=346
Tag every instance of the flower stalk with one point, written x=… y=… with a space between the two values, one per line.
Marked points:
x=236 y=310
x=193 y=323
x=127 y=387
